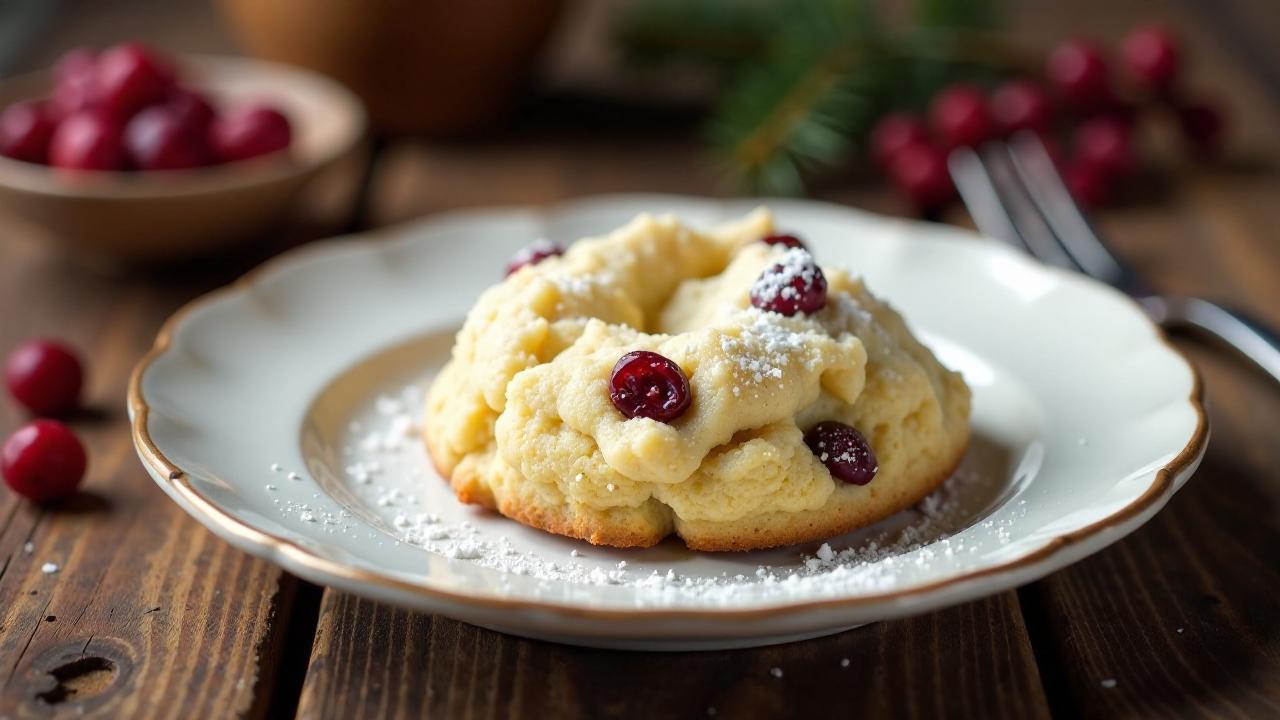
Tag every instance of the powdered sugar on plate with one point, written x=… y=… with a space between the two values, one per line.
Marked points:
x=386 y=481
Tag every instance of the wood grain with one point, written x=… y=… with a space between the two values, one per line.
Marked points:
x=371 y=660
x=147 y=615
x=1179 y=620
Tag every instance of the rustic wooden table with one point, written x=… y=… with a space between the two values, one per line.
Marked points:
x=151 y=616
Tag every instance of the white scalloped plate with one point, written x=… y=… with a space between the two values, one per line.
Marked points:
x=1086 y=422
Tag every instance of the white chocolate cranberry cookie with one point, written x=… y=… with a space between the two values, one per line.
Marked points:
x=661 y=380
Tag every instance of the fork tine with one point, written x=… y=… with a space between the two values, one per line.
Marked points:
x=1047 y=190
x=978 y=192
x=1001 y=206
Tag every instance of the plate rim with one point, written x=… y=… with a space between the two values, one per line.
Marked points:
x=175 y=480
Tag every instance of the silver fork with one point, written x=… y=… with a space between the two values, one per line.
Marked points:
x=1015 y=194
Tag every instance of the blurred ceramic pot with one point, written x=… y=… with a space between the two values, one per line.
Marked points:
x=422 y=66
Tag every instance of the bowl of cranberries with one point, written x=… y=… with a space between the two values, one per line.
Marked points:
x=131 y=155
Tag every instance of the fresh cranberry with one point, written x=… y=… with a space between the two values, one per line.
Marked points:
x=158 y=139
x=1202 y=127
x=74 y=83
x=920 y=173
x=88 y=140
x=646 y=384
x=1104 y=143
x=1089 y=185
x=43 y=461
x=191 y=108
x=1021 y=105
x=845 y=452
x=25 y=131
x=249 y=132
x=532 y=254
x=130 y=77
x=795 y=285
x=894 y=132
x=960 y=116
x=1079 y=71
x=1151 y=56
x=45 y=376
x=785 y=240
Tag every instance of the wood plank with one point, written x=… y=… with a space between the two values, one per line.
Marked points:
x=1179 y=619
x=148 y=615
x=1112 y=617
x=145 y=604
x=372 y=660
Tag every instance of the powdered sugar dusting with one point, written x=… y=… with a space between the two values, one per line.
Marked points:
x=413 y=506
x=794 y=269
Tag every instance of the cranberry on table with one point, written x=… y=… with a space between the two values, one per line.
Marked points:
x=844 y=450
x=1202 y=127
x=920 y=173
x=532 y=254
x=784 y=239
x=1079 y=71
x=159 y=139
x=795 y=285
x=646 y=384
x=1021 y=105
x=25 y=131
x=1151 y=57
x=88 y=140
x=45 y=376
x=249 y=132
x=130 y=77
x=892 y=133
x=1104 y=143
x=961 y=117
x=43 y=461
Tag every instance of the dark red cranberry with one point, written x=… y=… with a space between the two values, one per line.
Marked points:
x=1021 y=105
x=920 y=173
x=1151 y=57
x=88 y=140
x=45 y=376
x=191 y=108
x=1089 y=185
x=25 y=131
x=130 y=77
x=74 y=83
x=961 y=117
x=250 y=132
x=43 y=461
x=1079 y=71
x=1202 y=127
x=845 y=452
x=532 y=254
x=795 y=285
x=894 y=132
x=646 y=384
x=785 y=240
x=158 y=139
x=1104 y=143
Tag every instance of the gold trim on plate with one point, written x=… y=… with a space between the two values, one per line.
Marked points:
x=212 y=516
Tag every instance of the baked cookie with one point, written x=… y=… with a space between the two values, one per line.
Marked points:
x=663 y=380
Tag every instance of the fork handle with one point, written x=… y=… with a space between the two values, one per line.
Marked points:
x=1248 y=336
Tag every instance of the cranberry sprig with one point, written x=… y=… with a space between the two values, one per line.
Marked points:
x=1079 y=104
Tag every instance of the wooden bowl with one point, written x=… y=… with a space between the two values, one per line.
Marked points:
x=152 y=217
